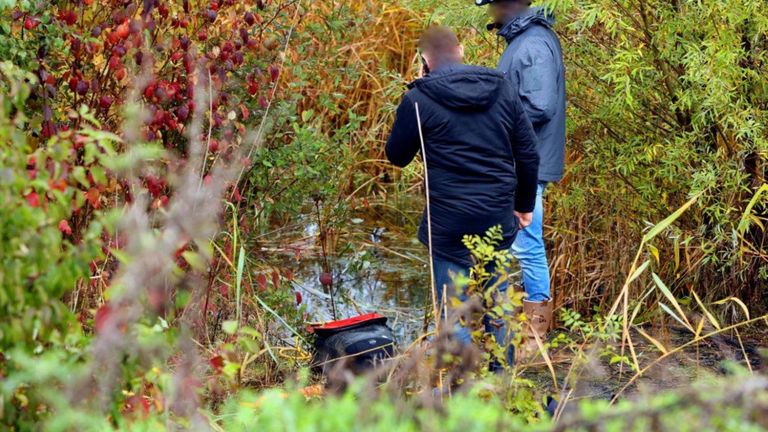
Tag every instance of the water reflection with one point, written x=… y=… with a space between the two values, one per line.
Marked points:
x=374 y=273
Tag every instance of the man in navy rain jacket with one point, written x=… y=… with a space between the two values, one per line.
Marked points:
x=480 y=152
x=533 y=63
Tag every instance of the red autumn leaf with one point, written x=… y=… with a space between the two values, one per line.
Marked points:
x=326 y=279
x=146 y=404
x=217 y=363
x=64 y=227
x=102 y=314
x=245 y=112
x=60 y=185
x=138 y=403
x=213 y=146
x=236 y=194
x=288 y=274
x=155 y=185
x=33 y=199
x=93 y=197
x=274 y=73
x=298 y=298
x=275 y=279
x=261 y=281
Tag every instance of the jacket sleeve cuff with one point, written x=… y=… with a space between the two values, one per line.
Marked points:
x=525 y=207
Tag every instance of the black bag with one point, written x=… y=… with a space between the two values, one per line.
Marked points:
x=360 y=342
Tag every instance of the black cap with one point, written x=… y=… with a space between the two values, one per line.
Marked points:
x=487 y=2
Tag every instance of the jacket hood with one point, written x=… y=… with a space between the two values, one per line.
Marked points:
x=520 y=23
x=462 y=87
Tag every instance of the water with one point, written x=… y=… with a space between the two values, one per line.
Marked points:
x=375 y=270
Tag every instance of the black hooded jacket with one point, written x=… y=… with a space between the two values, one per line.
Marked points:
x=481 y=154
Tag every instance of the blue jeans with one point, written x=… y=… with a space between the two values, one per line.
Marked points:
x=528 y=248
x=444 y=272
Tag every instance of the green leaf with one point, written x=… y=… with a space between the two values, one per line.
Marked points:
x=668 y=294
x=229 y=327
x=661 y=226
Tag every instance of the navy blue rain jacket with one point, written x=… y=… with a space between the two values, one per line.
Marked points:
x=533 y=62
x=481 y=154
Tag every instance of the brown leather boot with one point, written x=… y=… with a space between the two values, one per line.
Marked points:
x=539 y=320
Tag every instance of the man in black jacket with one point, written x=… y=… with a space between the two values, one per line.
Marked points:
x=480 y=153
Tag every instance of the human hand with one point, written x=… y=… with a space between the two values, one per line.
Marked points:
x=523 y=219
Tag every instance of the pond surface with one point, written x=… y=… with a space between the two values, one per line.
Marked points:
x=374 y=269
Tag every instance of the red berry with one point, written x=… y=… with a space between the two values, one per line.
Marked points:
x=105 y=101
x=115 y=63
x=182 y=113
x=123 y=30
x=274 y=73
x=326 y=279
x=64 y=227
x=161 y=94
x=33 y=199
x=30 y=23
x=68 y=17
x=82 y=87
x=155 y=185
x=112 y=37
x=118 y=50
x=249 y=18
x=135 y=26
